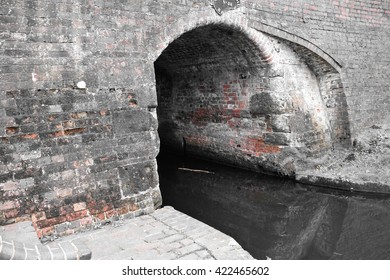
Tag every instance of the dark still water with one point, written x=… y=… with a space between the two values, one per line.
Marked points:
x=274 y=217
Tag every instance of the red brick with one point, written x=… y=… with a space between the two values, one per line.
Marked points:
x=110 y=213
x=76 y=215
x=86 y=221
x=133 y=207
x=107 y=207
x=24 y=218
x=51 y=222
x=79 y=206
x=257 y=147
x=91 y=205
x=57 y=134
x=76 y=164
x=100 y=216
x=11 y=130
x=45 y=231
x=38 y=216
x=123 y=210
x=103 y=112
x=30 y=136
x=236 y=113
x=74 y=131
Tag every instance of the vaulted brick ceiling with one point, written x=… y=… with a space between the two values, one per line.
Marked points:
x=210 y=47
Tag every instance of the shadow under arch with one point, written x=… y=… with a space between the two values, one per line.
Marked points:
x=194 y=21
x=222 y=94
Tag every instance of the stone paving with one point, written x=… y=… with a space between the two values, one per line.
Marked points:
x=20 y=242
x=166 y=234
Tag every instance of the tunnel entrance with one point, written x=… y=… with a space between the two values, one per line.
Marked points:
x=256 y=104
x=204 y=79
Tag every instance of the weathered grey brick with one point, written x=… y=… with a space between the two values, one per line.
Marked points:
x=126 y=122
x=83 y=252
x=32 y=255
x=189 y=249
x=7 y=251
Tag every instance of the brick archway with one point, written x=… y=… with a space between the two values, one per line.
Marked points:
x=234 y=21
x=328 y=70
x=236 y=95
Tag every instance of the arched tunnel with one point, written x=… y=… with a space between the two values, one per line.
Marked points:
x=263 y=105
x=223 y=97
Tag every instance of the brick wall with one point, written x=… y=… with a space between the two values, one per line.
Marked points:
x=75 y=155
x=71 y=155
x=354 y=33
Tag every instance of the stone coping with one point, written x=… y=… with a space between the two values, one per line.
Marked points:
x=69 y=250
x=344 y=184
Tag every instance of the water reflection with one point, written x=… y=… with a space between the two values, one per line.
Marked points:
x=274 y=217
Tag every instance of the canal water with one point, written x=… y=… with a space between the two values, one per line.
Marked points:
x=275 y=217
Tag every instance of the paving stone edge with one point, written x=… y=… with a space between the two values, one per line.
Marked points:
x=343 y=184
x=68 y=250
